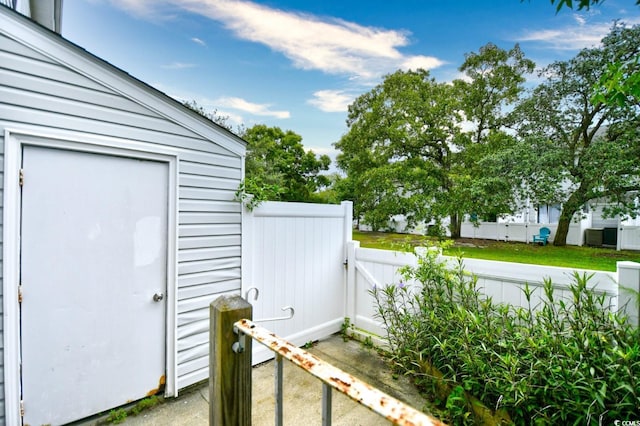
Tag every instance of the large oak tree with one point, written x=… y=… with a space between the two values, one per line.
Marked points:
x=406 y=151
x=573 y=148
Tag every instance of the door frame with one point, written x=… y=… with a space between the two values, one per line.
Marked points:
x=14 y=140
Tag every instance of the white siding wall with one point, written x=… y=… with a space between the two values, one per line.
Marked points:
x=2 y=399
x=38 y=92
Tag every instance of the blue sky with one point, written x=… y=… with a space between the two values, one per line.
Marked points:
x=298 y=64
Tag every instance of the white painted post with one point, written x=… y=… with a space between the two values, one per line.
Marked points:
x=248 y=242
x=351 y=298
x=349 y=284
x=619 y=236
x=347 y=207
x=629 y=290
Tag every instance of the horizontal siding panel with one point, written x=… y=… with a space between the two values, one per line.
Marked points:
x=188 y=255
x=91 y=111
x=190 y=218
x=208 y=288
x=11 y=47
x=227 y=159
x=193 y=341
x=193 y=378
x=56 y=120
x=194 y=365
x=208 y=277
x=194 y=181
x=195 y=303
x=69 y=91
x=208 y=170
x=207 y=194
x=193 y=352
x=203 y=230
x=209 y=206
x=192 y=316
x=186 y=243
x=199 y=266
x=52 y=71
x=193 y=328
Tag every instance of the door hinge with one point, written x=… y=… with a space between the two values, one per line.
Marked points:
x=21 y=177
x=21 y=408
x=20 y=293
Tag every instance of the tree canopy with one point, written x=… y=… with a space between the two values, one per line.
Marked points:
x=406 y=151
x=278 y=167
x=572 y=148
x=430 y=150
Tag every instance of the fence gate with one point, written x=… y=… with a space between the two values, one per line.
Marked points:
x=293 y=255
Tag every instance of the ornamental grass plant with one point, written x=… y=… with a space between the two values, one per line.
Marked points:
x=561 y=361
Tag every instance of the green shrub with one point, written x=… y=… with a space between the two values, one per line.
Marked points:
x=566 y=361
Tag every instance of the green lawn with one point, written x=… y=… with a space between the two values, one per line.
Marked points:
x=602 y=259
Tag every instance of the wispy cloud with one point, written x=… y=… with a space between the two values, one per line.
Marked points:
x=331 y=100
x=583 y=32
x=250 y=107
x=198 y=41
x=178 y=66
x=327 y=44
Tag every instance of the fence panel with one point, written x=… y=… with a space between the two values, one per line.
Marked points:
x=294 y=255
x=629 y=237
x=370 y=268
x=503 y=281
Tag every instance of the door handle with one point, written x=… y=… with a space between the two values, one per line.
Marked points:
x=158 y=297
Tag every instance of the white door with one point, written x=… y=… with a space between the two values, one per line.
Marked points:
x=94 y=277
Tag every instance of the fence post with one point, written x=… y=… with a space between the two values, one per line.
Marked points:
x=628 y=289
x=351 y=291
x=229 y=372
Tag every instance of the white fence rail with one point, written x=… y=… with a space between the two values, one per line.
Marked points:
x=503 y=281
x=293 y=254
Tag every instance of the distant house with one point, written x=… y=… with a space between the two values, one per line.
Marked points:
x=119 y=227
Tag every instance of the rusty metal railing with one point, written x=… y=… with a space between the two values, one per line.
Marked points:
x=331 y=377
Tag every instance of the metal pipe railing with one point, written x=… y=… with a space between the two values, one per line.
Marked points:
x=332 y=378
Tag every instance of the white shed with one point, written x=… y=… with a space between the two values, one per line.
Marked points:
x=119 y=227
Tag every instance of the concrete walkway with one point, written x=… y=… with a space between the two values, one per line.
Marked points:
x=302 y=392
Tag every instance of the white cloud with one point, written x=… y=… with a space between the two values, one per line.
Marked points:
x=198 y=41
x=425 y=62
x=583 y=33
x=178 y=66
x=581 y=20
x=330 y=45
x=331 y=100
x=250 y=107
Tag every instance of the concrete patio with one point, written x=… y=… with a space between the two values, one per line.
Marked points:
x=302 y=392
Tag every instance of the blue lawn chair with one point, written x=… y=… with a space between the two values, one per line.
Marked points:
x=543 y=236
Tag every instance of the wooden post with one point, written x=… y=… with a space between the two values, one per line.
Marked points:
x=229 y=372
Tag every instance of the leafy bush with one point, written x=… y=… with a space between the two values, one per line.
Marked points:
x=563 y=362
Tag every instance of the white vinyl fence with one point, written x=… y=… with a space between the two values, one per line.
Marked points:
x=503 y=281
x=293 y=255
x=628 y=235
x=521 y=232
x=301 y=256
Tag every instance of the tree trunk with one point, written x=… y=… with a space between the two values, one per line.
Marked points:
x=563 y=229
x=569 y=208
x=455 y=226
